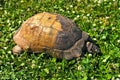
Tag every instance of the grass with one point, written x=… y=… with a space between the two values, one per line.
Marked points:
x=100 y=18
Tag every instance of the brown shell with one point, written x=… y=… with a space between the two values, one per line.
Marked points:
x=51 y=32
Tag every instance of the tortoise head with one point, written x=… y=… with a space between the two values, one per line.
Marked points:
x=92 y=48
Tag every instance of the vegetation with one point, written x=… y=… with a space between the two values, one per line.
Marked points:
x=100 y=18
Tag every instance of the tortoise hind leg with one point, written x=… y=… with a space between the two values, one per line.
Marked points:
x=17 y=50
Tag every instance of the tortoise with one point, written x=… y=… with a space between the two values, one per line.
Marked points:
x=54 y=34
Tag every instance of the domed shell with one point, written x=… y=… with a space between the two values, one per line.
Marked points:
x=45 y=30
x=53 y=33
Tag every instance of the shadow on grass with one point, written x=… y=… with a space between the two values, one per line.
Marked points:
x=2 y=2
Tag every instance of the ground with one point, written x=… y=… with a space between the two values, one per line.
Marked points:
x=99 y=18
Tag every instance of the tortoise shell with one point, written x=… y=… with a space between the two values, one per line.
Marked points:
x=54 y=34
